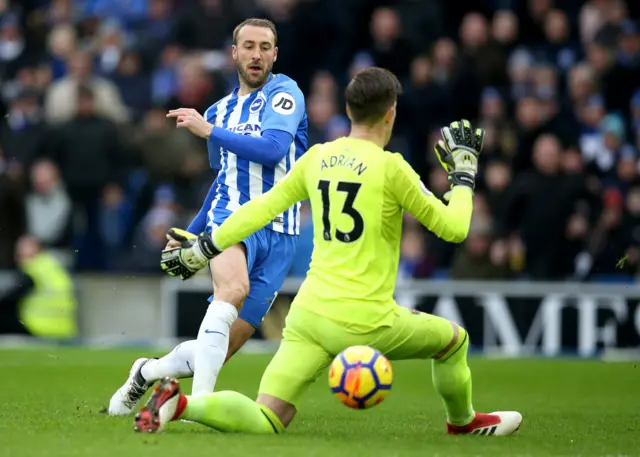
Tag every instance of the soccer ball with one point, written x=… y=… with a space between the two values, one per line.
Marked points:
x=360 y=377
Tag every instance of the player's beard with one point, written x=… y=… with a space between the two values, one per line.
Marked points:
x=254 y=82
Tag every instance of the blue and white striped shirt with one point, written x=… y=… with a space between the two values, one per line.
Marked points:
x=278 y=105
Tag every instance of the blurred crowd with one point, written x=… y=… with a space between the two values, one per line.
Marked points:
x=90 y=167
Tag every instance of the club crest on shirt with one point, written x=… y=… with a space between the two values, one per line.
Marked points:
x=257 y=105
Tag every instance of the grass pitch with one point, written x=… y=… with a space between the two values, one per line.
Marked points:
x=50 y=401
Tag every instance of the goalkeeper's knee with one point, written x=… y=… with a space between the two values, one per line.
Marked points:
x=457 y=347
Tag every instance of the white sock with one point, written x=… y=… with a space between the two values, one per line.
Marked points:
x=212 y=345
x=179 y=363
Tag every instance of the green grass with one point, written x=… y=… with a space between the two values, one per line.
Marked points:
x=50 y=401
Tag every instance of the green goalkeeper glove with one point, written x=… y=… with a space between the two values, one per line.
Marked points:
x=458 y=152
x=192 y=256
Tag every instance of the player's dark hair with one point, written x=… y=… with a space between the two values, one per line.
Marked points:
x=370 y=94
x=256 y=22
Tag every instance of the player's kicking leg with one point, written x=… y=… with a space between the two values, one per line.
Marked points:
x=267 y=257
x=447 y=345
x=225 y=411
x=179 y=363
x=209 y=351
x=297 y=363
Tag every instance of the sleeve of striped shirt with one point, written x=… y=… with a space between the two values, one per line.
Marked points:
x=285 y=108
x=268 y=149
x=259 y=211
x=450 y=222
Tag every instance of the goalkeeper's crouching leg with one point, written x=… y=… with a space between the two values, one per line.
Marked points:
x=452 y=378
x=225 y=411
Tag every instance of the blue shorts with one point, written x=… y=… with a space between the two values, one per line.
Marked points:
x=269 y=258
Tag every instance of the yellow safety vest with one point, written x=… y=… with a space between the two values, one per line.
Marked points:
x=49 y=310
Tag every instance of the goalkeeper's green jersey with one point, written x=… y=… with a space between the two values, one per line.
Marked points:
x=358 y=192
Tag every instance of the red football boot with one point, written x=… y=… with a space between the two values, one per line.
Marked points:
x=165 y=404
x=499 y=423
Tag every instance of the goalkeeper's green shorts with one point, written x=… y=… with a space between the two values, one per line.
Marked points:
x=310 y=342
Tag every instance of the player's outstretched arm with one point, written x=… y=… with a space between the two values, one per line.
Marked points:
x=268 y=149
x=449 y=222
x=284 y=110
x=458 y=154
x=195 y=252
x=258 y=212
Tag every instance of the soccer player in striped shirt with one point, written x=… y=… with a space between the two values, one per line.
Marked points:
x=256 y=133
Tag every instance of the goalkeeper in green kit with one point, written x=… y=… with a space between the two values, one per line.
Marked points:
x=358 y=193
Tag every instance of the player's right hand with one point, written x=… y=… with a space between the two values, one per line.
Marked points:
x=192 y=254
x=458 y=152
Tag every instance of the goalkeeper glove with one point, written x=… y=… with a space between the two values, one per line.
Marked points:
x=458 y=152
x=192 y=256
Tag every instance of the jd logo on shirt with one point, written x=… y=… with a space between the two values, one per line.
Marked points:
x=283 y=103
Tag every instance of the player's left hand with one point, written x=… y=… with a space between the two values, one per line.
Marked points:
x=188 y=118
x=458 y=153
x=193 y=255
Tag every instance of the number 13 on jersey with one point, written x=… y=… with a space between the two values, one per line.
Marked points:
x=351 y=190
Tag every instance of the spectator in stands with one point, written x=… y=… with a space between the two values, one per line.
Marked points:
x=476 y=260
x=206 y=25
x=110 y=45
x=425 y=106
x=160 y=147
x=618 y=81
x=530 y=125
x=42 y=301
x=505 y=29
x=13 y=48
x=497 y=179
x=195 y=87
x=629 y=44
x=164 y=76
x=61 y=103
x=154 y=32
x=62 y=43
x=444 y=56
x=24 y=132
x=389 y=47
x=89 y=152
x=608 y=243
x=150 y=236
x=529 y=216
x=133 y=84
x=48 y=207
x=559 y=49
x=412 y=251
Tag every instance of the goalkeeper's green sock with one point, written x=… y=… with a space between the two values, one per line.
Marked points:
x=452 y=380
x=229 y=411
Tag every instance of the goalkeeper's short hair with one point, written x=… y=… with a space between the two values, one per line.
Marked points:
x=371 y=93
